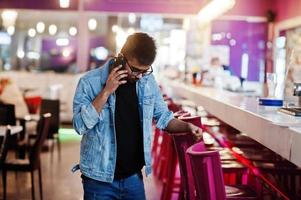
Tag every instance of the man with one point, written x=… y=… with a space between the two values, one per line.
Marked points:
x=113 y=110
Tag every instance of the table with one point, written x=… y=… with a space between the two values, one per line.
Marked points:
x=277 y=131
x=13 y=129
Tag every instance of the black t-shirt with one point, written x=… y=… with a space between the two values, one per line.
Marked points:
x=129 y=135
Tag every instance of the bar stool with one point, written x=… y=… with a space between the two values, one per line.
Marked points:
x=160 y=149
x=171 y=183
x=234 y=171
x=245 y=153
x=208 y=177
x=166 y=149
x=284 y=173
x=181 y=142
x=158 y=133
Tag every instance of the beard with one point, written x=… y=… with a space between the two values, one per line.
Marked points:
x=132 y=79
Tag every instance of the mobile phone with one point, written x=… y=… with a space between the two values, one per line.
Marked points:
x=117 y=61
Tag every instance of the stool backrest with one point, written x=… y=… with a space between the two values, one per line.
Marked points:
x=181 y=113
x=182 y=142
x=173 y=106
x=207 y=173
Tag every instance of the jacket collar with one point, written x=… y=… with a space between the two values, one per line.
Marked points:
x=104 y=72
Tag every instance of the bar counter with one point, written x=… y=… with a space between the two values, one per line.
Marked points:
x=277 y=131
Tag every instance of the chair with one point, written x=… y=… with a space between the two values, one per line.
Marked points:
x=171 y=183
x=8 y=117
x=4 y=147
x=160 y=147
x=33 y=162
x=208 y=177
x=53 y=107
x=160 y=152
x=3 y=154
x=33 y=103
x=7 y=114
x=158 y=135
x=181 y=142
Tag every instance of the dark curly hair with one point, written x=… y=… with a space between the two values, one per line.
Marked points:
x=140 y=46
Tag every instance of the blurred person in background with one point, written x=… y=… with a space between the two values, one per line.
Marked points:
x=293 y=73
x=114 y=107
x=213 y=74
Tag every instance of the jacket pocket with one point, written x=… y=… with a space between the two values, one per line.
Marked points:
x=86 y=149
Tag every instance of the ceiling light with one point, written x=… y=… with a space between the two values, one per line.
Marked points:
x=40 y=27
x=32 y=32
x=66 y=53
x=52 y=29
x=115 y=28
x=20 y=54
x=132 y=18
x=62 y=42
x=72 y=31
x=11 y=30
x=9 y=17
x=64 y=3
x=214 y=9
x=92 y=24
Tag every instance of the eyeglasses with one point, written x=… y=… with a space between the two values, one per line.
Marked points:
x=137 y=72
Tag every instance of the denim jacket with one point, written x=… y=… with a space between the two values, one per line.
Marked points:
x=98 y=143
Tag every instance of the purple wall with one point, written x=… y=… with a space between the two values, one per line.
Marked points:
x=37 y=4
x=149 y=6
x=57 y=60
x=242 y=7
x=252 y=40
x=288 y=9
x=96 y=41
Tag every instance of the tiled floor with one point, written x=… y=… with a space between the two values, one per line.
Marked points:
x=59 y=183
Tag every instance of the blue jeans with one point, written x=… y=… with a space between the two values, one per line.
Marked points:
x=131 y=188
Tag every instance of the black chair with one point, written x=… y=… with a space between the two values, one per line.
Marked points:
x=53 y=107
x=3 y=153
x=33 y=162
x=7 y=114
x=8 y=117
x=4 y=147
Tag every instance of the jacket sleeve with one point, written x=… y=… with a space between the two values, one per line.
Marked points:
x=85 y=116
x=162 y=115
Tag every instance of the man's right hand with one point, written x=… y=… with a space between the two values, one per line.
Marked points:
x=114 y=79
